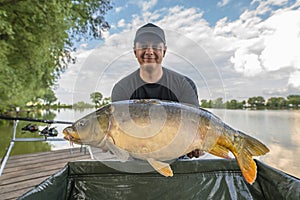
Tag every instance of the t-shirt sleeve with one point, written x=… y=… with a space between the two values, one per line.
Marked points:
x=190 y=94
x=118 y=93
x=123 y=89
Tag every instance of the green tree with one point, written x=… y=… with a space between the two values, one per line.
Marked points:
x=206 y=104
x=218 y=103
x=49 y=97
x=106 y=100
x=82 y=104
x=256 y=102
x=96 y=98
x=234 y=104
x=294 y=100
x=276 y=103
x=37 y=38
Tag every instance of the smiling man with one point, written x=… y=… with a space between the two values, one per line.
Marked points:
x=152 y=80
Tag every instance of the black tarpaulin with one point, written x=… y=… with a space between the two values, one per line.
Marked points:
x=196 y=179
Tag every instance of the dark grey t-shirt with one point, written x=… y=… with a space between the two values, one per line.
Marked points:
x=172 y=86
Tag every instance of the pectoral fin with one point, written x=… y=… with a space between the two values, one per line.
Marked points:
x=121 y=154
x=161 y=167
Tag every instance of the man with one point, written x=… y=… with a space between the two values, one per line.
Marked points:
x=152 y=80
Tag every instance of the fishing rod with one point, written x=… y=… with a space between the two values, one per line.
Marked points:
x=35 y=120
x=46 y=132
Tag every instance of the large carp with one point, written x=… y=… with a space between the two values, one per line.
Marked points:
x=158 y=131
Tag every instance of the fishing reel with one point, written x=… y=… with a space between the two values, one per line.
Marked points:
x=49 y=132
x=46 y=132
x=30 y=127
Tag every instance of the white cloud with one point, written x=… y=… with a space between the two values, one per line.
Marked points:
x=121 y=23
x=223 y=3
x=294 y=79
x=246 y=27
x=146 y=5
x=246 y=62
x=265 y=6
x=282 y=41
x=118 y=9
x=275 y=42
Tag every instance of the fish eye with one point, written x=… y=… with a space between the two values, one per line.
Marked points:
x=82 y=123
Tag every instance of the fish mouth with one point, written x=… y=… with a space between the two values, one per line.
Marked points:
x=71 y=135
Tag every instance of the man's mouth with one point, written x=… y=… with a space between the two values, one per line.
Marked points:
x=149 y=59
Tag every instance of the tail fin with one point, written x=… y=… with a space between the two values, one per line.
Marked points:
x=244 y=149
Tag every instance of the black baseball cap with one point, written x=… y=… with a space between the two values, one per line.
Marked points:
x=150 y=31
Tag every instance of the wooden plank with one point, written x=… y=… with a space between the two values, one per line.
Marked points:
x=30 y=157
x=14 y=187
x=23 y=172
x=52 y=157
x=15 y=194
x=17 y=168
x=27 y=176
x=35 y=176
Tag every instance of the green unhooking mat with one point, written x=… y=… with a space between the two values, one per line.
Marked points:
x=196 y=179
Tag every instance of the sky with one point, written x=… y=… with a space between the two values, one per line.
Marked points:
x=231 y=49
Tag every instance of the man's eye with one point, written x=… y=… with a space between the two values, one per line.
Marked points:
x=157 y=48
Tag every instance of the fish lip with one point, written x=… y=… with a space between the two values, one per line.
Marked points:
x=68 y=131
x=72 y=139
x=68 y=134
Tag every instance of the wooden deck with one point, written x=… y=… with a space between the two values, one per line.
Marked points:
x=24 y=172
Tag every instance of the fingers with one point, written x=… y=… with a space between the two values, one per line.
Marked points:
x=196 y=153
x=190 y=155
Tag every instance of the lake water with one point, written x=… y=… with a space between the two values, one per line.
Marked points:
x=278 y=129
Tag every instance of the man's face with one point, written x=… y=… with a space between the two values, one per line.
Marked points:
x=149 y=52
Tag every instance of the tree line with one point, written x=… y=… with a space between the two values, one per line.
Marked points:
x=257 y=102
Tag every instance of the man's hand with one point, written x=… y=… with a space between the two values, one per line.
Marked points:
x=196 y=153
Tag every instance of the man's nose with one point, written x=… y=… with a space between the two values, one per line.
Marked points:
x=149 y=51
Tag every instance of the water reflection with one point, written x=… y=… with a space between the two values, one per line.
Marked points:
x=286 y=147
x=279 y=130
